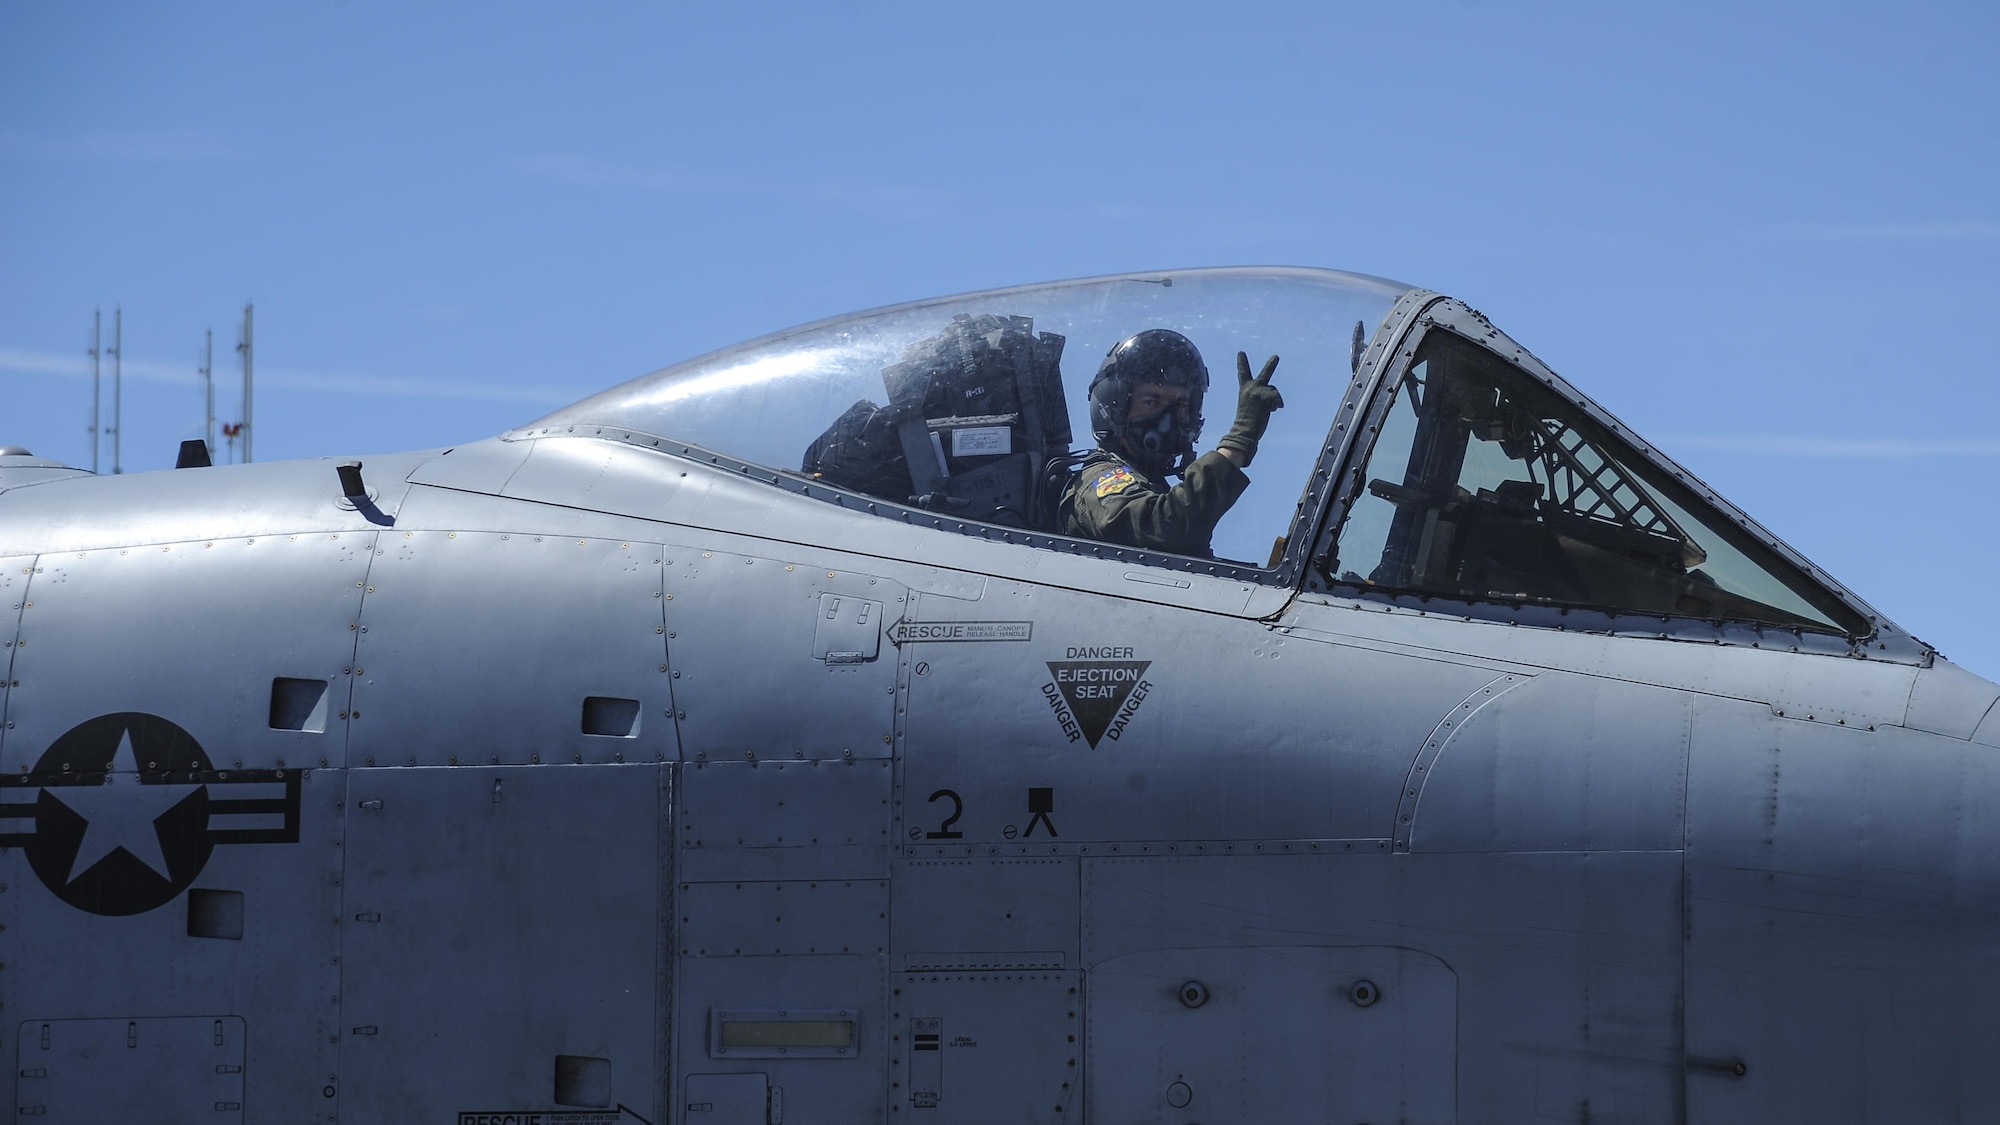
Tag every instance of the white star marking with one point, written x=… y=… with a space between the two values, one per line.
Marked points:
x=120 y=814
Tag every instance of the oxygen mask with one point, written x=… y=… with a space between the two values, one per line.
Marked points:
x=1160 y=445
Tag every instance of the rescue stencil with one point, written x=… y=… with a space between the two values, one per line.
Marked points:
x=907 y=632
x=547 y=1115
x=1095 y=699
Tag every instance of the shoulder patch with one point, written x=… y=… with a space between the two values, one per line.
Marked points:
x=1113 y=482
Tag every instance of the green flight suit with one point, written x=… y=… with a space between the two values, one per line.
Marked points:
x=1114 y=502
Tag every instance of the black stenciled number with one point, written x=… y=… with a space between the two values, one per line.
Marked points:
x=944 y=831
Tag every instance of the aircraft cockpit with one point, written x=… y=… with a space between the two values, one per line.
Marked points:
x=958 y=406
x=1463 y=473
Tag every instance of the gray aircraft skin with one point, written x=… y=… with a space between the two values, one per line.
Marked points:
x=649 y=763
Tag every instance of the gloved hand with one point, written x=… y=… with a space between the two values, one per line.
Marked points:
x=1255 y=399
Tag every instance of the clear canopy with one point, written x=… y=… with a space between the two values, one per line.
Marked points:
x=958 y=404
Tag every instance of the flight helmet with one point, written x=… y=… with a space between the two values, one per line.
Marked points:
x=1162 y=443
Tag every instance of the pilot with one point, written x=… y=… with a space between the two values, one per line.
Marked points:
x=1145 y=410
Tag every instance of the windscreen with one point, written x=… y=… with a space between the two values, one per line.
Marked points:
x=961 y=404
x=1485 y=485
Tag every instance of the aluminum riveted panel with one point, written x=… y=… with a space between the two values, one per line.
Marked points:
x=604 y=476
x=430 y=508
x=743 y=634
x=849 y=1087
x=768 y=919
x=187 y=1068
x=1447 y=728
x=16 y=576
x=811 y=819
x=986 y=913
x=1558 y=763
x=262 y=500
x=223 y=907
x=1864 y=692
x=985 y=1047
x=1278 y=1033
x=1567 y=964
x=442 y=679
x=20 y=471
x=1123 y=721
x=144 y=629
x=727 y=1099
x=1948 y=700
x=478 y=466
x=1841 y=921
x=506 y=915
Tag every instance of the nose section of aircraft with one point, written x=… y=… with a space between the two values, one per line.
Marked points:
x=1843 y=914
x=1946 y=699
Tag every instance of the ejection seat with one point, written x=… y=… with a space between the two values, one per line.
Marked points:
x=974 y=415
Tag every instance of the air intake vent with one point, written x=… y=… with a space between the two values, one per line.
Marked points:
x=298 y=704
x=611 y=717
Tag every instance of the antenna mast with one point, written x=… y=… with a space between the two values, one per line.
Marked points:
x=117 y=389
x=246 y=347
x=96 y=381
x=208 y=389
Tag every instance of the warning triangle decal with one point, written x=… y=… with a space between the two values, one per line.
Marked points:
x=1096 y=689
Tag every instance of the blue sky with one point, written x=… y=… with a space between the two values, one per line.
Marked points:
x=1766 y=235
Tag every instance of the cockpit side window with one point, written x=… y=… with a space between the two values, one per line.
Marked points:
x=1485 y=485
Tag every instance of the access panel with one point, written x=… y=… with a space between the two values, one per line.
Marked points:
x=193 y=633
x=779 y=658
x=141 y=1069
x=501 y=941
x=814 y=819
x=979 y=1048
x=1278 y=1033
x=561 y=656
x=810 y=1024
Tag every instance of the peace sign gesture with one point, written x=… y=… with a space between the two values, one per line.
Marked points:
x=1255 y=399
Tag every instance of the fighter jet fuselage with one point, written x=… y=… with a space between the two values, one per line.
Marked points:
x=719 y=753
